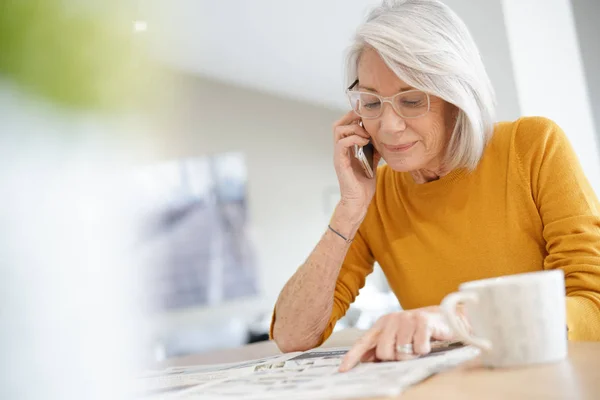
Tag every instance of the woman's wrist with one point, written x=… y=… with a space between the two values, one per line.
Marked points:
x=346 y=220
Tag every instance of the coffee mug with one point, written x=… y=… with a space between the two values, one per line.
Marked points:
x=516 y=319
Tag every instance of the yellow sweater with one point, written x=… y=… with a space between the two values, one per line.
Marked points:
x=526 y=207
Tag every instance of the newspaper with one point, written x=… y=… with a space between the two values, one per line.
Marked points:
x=156 y=384
x=308 y=375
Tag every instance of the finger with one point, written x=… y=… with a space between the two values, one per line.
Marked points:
x=386 y=345
x=405 y=336
x=441 y=331
x=346 y=119
x=348 y=130
x=422 y=338
x=369 y=356
x=360 y=348
x=344 y=144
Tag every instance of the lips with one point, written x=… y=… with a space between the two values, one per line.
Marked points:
x=399 y=148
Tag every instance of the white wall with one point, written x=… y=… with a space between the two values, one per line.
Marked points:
x=587 y=14
x=549 y=73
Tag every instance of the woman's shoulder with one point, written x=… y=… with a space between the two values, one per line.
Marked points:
x=526 y=128
x=527 y=135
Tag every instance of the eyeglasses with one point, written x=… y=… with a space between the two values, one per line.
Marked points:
x=410 y=104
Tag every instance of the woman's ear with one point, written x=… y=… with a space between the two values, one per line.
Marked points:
x=452 y=113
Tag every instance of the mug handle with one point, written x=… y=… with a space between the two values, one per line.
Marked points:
x=448 y=308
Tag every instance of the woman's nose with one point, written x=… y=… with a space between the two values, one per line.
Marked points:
x=390 y=121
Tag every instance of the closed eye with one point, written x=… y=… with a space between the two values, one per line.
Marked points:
x=372 y=105
x=413 y=103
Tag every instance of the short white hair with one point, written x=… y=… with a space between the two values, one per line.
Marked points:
x=430 y=48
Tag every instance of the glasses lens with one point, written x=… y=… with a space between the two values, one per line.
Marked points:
x=412 y=104
x=364 y=104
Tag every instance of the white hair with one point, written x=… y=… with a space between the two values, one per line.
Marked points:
x=429 y=47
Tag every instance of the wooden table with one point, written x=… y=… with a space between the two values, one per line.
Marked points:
x=578 y=377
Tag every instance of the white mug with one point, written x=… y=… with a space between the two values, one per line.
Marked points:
x=516 y=319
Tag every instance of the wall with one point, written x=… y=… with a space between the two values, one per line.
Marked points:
x=549 y=73
x=586 y=14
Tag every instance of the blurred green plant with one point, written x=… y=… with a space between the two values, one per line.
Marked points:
x=78 y=53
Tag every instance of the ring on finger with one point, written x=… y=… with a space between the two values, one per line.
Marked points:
x=404 y=348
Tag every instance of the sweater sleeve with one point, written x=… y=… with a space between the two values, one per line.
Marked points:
x=570 y=213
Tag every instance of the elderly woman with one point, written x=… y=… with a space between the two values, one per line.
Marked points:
x=461 y=197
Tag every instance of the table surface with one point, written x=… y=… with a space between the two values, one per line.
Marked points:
x=577 y=377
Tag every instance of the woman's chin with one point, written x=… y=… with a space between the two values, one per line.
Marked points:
x=401 y=164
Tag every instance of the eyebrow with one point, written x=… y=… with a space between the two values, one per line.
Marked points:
x=403 y=89
x=355 y=83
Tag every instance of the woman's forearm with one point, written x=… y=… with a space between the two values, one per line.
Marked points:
x=305 y=303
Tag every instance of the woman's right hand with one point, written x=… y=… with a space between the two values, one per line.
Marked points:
x=356 y=189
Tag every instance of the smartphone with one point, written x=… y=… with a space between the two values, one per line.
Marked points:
x=364 y=155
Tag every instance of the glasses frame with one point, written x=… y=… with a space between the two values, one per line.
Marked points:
x=383 y=100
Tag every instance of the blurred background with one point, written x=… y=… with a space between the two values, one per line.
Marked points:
x=167 y=165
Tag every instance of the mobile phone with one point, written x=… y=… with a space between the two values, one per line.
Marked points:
x=364 y=155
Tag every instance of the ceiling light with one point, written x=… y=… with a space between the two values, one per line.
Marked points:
x=140 y=26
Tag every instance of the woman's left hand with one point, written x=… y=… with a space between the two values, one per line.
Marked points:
x=400 y=336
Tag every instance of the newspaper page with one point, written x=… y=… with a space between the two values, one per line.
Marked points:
x=314 y=375
x=160 y=384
